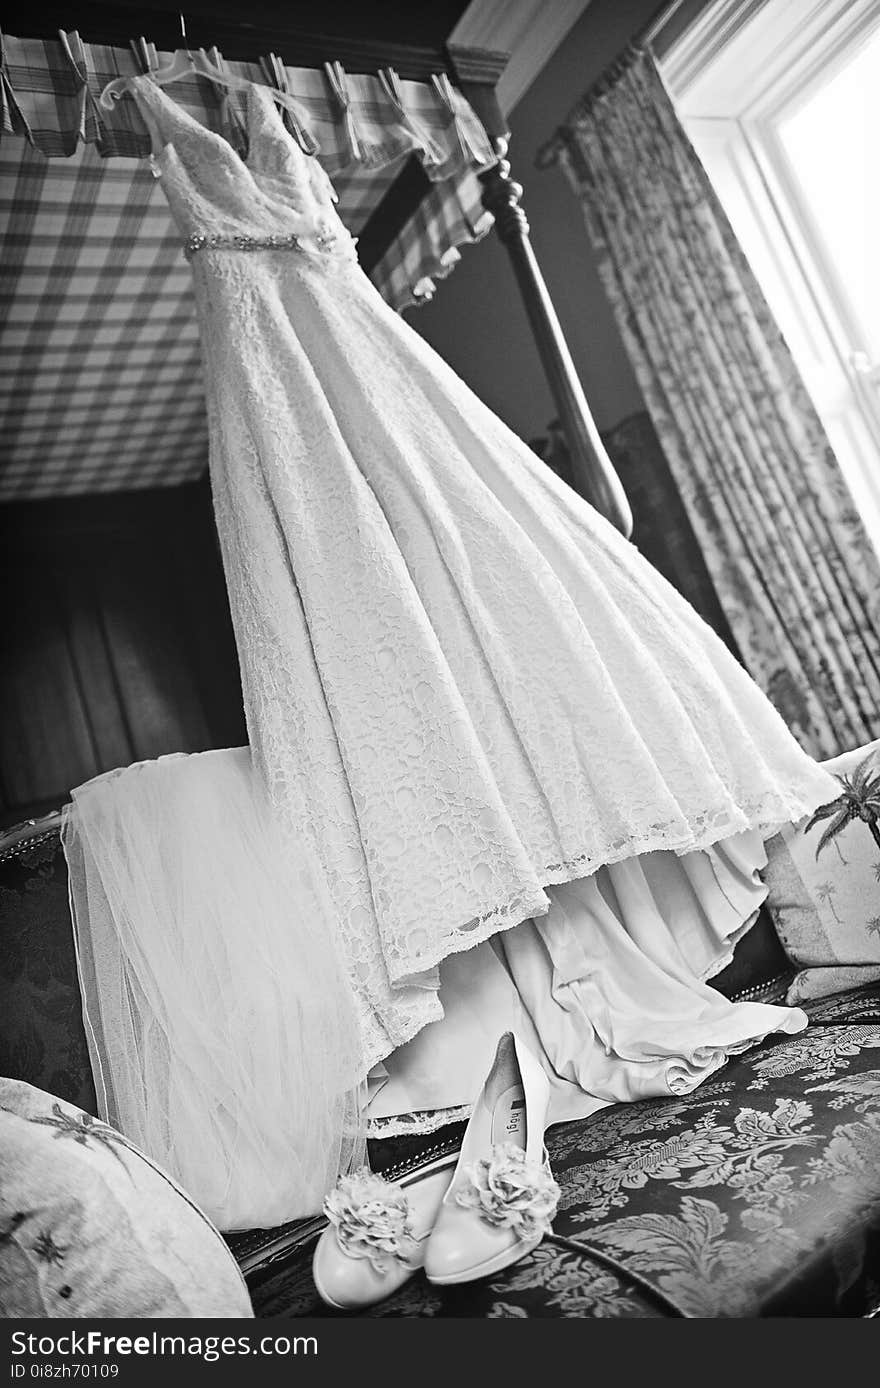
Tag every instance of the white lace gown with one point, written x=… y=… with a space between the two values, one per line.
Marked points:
x=462 y=685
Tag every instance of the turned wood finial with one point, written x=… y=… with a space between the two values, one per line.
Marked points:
x=501 y=195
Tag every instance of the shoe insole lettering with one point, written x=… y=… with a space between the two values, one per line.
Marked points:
x=509 y=1117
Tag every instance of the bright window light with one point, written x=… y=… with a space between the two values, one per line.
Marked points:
x=833 y=145
x=782 y=102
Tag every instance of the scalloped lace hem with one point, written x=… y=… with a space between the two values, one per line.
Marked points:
x=418 y=1122
x=765 y=817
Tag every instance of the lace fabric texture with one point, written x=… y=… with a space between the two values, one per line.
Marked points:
x=462 y=685
x=607 y=990
x=223 y=1031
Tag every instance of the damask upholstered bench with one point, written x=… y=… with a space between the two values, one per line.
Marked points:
x=757 y=1195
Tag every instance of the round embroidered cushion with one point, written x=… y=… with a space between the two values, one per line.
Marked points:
x=89 y=1226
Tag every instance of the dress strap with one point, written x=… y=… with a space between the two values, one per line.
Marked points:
x=156 y=109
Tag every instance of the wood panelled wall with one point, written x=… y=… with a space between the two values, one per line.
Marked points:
x=116 y=642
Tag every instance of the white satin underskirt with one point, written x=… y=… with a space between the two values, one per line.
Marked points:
x=608 y=990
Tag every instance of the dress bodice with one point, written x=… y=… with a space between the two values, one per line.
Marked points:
x=275 y=197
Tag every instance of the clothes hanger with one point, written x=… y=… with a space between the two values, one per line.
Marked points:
x=183 y=63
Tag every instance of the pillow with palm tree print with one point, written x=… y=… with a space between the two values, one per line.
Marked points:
x=823 y=879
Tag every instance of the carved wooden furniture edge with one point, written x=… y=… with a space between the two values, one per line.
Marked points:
x=27 y=833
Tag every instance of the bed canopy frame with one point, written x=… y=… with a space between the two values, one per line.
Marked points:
x=269 y=38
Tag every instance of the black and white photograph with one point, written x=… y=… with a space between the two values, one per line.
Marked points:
x=439 y=674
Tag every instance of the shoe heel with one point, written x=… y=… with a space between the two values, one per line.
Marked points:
x=502 y=1195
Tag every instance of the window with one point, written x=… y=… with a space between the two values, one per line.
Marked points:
x=781 y=99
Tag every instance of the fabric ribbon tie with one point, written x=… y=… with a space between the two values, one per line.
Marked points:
x=338 y=83
x=431 y=153
x=512 y=1191
x=12 y=117
x=371 y=1217
x=472 y=139
x=74 y=52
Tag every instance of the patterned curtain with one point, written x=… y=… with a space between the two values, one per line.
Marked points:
x=796 y=574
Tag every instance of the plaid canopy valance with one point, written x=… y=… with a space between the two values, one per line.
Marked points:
x=100 y=379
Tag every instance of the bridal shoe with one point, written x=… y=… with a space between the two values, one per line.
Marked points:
x=502 y=1196
x=377 y=1233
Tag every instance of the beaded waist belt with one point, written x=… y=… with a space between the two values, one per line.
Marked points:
x=195 y=243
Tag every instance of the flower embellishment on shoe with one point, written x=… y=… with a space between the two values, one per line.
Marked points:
x=509 y=1190
x=371 y=1217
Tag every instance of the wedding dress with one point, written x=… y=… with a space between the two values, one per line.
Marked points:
x=466 y=692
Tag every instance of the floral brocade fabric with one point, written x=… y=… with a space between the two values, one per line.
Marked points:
x=41 y=1026
x=757 y=1195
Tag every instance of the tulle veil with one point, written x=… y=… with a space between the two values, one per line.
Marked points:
x=220 y=1018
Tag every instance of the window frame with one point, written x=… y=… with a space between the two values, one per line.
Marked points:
x=738 y=70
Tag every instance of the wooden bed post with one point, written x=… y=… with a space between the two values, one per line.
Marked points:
x=592 y=473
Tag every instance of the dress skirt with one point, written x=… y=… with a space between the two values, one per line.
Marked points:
x=608 y=989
